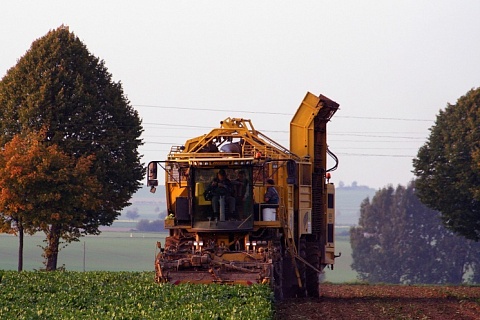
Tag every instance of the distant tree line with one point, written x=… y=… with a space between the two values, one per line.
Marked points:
x=150 y=226
x=133 y=214
x=400 y=240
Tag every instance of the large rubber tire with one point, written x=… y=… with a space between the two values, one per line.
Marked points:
x=289 y=278
x=278 y=280
x=313 y=278
x=302 y=269
x=291 y=289
x=278 y=284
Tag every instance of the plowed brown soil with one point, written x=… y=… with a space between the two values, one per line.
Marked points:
x=385 y=302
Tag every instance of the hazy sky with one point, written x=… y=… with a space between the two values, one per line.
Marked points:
x=187 y=65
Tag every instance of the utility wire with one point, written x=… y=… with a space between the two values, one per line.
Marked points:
x=376 y=155
x=370 y=134
x=276 y=113
x=214 y=110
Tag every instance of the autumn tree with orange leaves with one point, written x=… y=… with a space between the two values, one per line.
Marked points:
x=38 y=182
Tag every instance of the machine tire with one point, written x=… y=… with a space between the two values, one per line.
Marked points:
x=289 y=278
x=291 y=289
x=313 y=278
x=302 y=268
x=278 y=280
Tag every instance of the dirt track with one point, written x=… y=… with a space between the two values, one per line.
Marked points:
x=385 y=302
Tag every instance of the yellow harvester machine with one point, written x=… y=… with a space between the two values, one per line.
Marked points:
x=248 y=241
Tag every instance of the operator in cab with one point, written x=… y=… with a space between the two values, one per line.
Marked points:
x=222 y=194
x=271 y=195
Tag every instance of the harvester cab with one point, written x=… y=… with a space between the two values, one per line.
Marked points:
x=214 y=194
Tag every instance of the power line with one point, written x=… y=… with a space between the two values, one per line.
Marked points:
x=355 y=133
x=176 y=125
x=374 y=136
x=384 y=118
x=367 y=134
x=375 y=155
x=347 y=154
x=372 y=141
x=279 y=113
x=280 y=131
x=374 y=148
x=213 y=110
x=186 y=126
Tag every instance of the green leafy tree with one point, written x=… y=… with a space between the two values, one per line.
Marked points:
x=447 y=167
x=400 y=240
x=59 y=85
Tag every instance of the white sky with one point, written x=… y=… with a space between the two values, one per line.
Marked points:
x=391 y=65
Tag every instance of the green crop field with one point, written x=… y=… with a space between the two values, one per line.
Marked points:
x=125 y=295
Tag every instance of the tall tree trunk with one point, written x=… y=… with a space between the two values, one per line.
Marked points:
x=51 y=251
x=20 y=246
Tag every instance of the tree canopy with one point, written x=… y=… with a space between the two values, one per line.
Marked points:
x=43 y=188
x=59 y=87
x=400 y=240
x=447 y=167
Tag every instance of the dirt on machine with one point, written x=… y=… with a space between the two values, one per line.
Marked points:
x=243 y=209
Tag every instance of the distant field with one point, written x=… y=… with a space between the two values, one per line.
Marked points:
x=342 y=272
x=128 y=251
x=111 y=251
